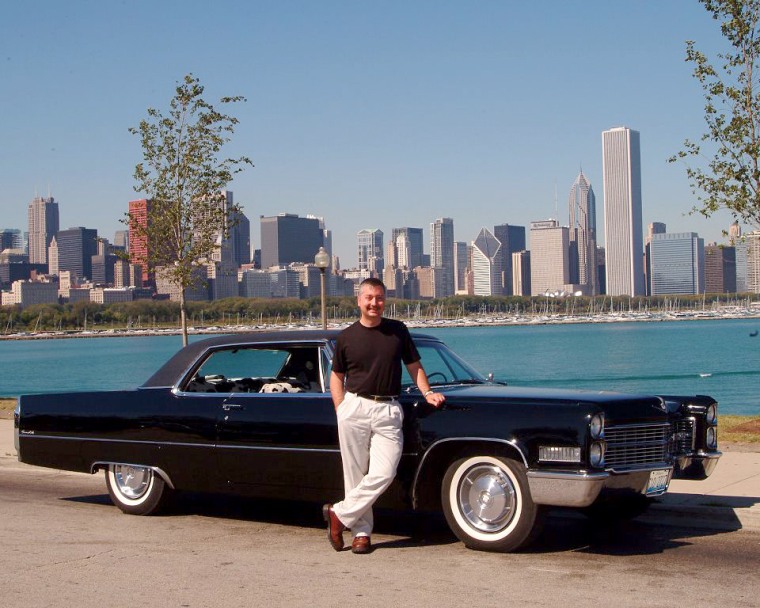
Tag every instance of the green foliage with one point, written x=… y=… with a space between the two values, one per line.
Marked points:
x=731 y=145
x=157 y=314
x=183 y=177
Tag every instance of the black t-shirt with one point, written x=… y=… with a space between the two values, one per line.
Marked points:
x=371 y=357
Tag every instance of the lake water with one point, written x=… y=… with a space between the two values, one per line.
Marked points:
x=717 y=358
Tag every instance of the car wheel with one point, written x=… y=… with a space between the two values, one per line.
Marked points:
x=487 y=503
x=136 y=490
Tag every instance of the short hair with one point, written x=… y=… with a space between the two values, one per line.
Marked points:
x=373 y=282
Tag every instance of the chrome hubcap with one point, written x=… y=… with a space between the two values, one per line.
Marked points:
x=487 y=498
x=132 y=481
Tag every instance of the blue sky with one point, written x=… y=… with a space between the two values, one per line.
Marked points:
x=371 y=114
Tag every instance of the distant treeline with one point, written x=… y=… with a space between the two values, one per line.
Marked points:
x=252 y=311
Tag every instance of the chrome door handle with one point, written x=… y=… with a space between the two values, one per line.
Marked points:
x=232 y=406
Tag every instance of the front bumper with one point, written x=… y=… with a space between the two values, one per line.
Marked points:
x=696 y=466
x=580 y=489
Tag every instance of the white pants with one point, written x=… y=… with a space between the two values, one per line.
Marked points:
x=371 y=442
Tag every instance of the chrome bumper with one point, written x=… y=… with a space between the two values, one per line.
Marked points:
x=696 y=466
x=565 y=489
x=580 y=489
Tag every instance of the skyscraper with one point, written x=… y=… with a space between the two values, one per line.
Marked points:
x=582 y=234
x=287 y=238
x=621 y=167
x=549 y=267
x=512 y=239
x=654 y=228
x=241 y=239
x=461 y=262
x=751 y=249
x=370 y=252
x=521 y=273
x=720 y=269
x=415 y=241
x=678 y=263
x=486 y=264
x=138 y=243
x=43 y=224
x=76 y=247
x=10 y=238
x=442 y=252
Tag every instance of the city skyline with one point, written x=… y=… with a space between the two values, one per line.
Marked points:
x=369 y=116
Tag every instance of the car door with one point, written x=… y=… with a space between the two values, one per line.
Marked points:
x=282 y=440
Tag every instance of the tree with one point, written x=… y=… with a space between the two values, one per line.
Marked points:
x=183 y=177
x=731 y=178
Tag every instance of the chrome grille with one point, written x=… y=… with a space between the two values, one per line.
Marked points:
x=683 y=436
x=636 y=445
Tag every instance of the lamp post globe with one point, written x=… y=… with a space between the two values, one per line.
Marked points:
x=321 y=261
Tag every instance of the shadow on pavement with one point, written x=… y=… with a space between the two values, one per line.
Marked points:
x=565 y=530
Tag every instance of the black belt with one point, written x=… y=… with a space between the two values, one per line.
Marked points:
x=378 y=397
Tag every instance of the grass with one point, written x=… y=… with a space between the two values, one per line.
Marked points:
x=738 y=429
x=731 y=429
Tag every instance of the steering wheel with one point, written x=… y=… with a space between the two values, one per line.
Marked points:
x=434 y=374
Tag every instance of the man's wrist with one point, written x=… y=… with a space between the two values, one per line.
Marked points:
x=428 y=392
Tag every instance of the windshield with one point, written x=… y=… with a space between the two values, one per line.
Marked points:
x=442 y=366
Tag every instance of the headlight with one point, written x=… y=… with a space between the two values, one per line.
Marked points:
x=596 y=454
x=596 y=426
x=711 y=438
x=712 y=414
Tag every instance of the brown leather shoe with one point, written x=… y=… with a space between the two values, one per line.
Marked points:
x=335 y=527
x=361 y=544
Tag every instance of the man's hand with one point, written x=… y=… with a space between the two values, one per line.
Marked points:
x=435 y=399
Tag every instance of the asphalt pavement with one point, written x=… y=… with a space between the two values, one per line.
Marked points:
x=728 y=500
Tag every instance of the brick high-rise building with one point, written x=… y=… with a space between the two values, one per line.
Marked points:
x=138 y=244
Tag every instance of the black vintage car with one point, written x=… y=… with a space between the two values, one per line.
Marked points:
x=252 y=414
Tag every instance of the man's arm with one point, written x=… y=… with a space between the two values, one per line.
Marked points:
x=421 y=380
x=337 y=390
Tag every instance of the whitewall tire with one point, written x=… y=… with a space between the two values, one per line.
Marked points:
x=136 y=490
x=487 y=503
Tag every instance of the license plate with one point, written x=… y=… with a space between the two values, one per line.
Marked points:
x=658 y=482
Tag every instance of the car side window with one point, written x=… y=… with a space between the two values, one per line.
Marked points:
x=258 y=370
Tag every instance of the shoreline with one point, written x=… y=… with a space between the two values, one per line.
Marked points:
x=494 y=320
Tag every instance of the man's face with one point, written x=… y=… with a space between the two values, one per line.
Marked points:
x=371 y=302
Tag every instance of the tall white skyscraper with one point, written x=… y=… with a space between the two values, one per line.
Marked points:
x=621 y=167
x=442 y=252
x=582 y=208
x=486 y=264
x=43 y=225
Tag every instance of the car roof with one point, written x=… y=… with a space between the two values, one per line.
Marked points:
x=169 y=373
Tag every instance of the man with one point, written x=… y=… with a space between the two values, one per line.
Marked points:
x=365 y=383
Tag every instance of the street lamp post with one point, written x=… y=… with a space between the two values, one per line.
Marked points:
x=321 y=261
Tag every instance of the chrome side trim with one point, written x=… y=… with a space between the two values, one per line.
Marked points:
x=133 y=441
x=565 y=489
x=512 y=443
x=279 y=449
x=99 y=464
x=185 y=444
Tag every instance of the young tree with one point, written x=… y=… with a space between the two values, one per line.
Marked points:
x=182 y=177
x=731 y=177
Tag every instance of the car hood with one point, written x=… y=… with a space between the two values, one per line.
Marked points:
x=623 y=404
